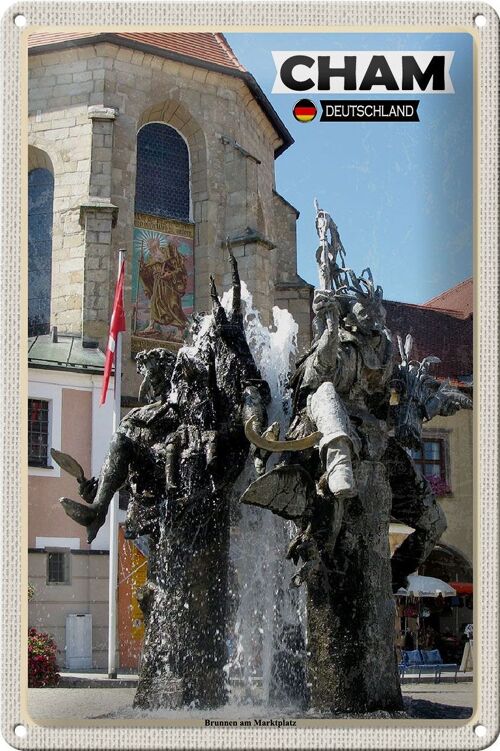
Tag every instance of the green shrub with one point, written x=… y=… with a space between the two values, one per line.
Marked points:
x=42 y=663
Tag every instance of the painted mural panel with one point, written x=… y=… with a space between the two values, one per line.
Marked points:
x=162 y=281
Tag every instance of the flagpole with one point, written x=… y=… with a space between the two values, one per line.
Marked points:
x=113 y=509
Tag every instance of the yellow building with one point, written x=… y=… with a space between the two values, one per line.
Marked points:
x=444 y=327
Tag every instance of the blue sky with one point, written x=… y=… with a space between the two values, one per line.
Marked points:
x=400 y=193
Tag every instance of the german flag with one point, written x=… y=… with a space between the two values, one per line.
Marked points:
x=304 y=111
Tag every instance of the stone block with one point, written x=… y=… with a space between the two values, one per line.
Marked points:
x=85 y=75
x=95 y=63
x=123 y=67
x=78 y=99
x=101 y=154
x=35 y=62
x=66 y=122
x=177 y=121
x=98 y=224
x=186 y=72
x=63 y=90
x=200 y=75
x=97 y=141
x=73 y=264
x=100 y=276
x=85 y=53
x=57 y=133
x=94 y=98
x=91 y=264
x=156 y=62
x=117 y=176
x=102 y=119
x=124 y=54
x=76 y=277
x=214 y=78
x=202 y=265
x=40 y=93
x=70 y=178
x=73 y=241
x=238 y=251
x=60 y=102
x=78 y=89
x=137 y=57
x=106 y=49
x=171 y=67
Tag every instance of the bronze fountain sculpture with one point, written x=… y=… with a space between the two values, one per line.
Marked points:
x=344 y=470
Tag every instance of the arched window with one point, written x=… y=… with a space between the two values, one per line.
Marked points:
x=162 y=182
x=40 y=207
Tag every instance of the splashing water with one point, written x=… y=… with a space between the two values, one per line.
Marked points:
x=268 y=610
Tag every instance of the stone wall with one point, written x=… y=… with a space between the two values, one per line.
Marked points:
x=86 y=105
x=60 y=89
x=86 y=592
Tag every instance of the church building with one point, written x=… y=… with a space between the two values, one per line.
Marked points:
x=164 y=145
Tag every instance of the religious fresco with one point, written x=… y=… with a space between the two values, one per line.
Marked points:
x=162 y=281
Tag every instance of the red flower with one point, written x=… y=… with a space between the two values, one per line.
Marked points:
x=438 y=485
x=42 y=666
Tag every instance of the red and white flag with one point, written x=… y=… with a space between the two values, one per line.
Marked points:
x=117 y=324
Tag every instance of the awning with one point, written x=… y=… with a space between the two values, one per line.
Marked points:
x=462 y=588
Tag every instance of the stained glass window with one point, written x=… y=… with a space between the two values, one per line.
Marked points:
x=162 y=181
x=40 y=206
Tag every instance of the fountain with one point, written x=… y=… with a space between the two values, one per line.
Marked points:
x=179 y=457
x=270 y=620
x=342 y=475
x=204 y=438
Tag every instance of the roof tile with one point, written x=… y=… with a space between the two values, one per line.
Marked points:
x=458 y=300
x=434 y=332
x=209 y=47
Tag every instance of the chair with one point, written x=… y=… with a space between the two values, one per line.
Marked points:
x=411 y=662
x=425 y=660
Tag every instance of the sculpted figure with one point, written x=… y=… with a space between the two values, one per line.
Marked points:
x=130 y=459
x=418 y=397
x=348 y=364
x=344 y=472
x=179 y=456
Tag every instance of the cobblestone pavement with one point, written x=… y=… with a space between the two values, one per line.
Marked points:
x=450 y=700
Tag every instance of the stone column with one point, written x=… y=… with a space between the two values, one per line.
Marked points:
x=296 y=296
x=352 y=664
x=244 y=223
x=252 y=251
x=98 y=217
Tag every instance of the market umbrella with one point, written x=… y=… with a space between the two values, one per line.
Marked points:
x=426 y=586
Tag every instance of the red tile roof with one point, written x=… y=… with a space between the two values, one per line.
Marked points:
x=457 y=301
x=211 y=48
x=435 y=332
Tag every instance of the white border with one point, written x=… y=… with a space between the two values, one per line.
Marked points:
x=432 y=15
